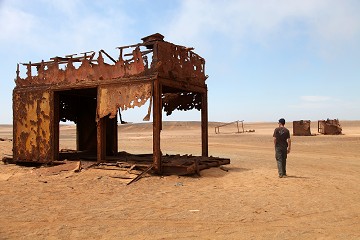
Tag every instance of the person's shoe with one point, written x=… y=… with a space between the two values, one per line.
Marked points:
x=280 y=176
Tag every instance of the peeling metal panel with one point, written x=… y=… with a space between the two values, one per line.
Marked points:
x=62 y=71
x=113 y=97
x=180 y=64
x=32 y=126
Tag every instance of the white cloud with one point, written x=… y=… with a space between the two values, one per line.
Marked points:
x=315 y=102
x=40 y=29
x=315 y=98
x=66 y=7
x=328 y=24
x=321 y=107
x=62 y=27
x=15 y=24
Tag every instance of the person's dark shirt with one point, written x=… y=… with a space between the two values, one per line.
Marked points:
x=281 y=134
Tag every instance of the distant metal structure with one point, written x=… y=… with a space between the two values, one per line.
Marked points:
x=217 y=128
x=301 y=128
x=329 y=127
x=171 y=76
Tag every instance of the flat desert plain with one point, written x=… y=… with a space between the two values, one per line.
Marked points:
x=320 y=199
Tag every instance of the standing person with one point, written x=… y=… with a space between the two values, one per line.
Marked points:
x=282 y=143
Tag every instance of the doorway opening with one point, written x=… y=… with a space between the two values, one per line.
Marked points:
x=78 y=138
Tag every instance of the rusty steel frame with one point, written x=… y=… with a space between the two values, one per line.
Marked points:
x=217 y=128
x=59 y=90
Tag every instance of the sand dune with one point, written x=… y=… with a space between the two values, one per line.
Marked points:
x=319 y=200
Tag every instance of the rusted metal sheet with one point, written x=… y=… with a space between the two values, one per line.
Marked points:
x=180 y=63
x=61 y=70
x=329 y=127
x=113 y=97
x=32 y=126
x=301 y=128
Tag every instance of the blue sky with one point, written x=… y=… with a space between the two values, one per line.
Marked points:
x=265 y=59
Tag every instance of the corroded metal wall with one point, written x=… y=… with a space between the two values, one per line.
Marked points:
x=301 y=128
x=32 y=125
x=180 y=63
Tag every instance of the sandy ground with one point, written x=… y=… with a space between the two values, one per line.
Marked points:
x=319 y=200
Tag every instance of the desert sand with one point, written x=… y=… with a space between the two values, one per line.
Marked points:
x=320 y=199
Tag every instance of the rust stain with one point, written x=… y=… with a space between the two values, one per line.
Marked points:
x=32 y=129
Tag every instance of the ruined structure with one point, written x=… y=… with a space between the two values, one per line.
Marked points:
x=90 y=92
x=329 y=127
x=301 y=128
x=217 y=128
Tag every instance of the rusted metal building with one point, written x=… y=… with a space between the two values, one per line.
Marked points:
x=301 y=128
x=329 y=127
x=90 y=92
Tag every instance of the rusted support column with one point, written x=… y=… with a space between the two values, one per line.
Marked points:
x=55 y=121
x=204 y=124
x=111 y=136
x=157 y=106
x=101 y=140
x=115 y=136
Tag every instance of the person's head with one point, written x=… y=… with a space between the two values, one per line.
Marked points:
x=282 y=121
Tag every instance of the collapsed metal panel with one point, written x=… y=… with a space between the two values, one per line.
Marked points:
x=32 y=126
x=329 y=127
x=301 y=128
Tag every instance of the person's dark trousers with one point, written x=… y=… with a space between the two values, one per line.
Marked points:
x=281 y=155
